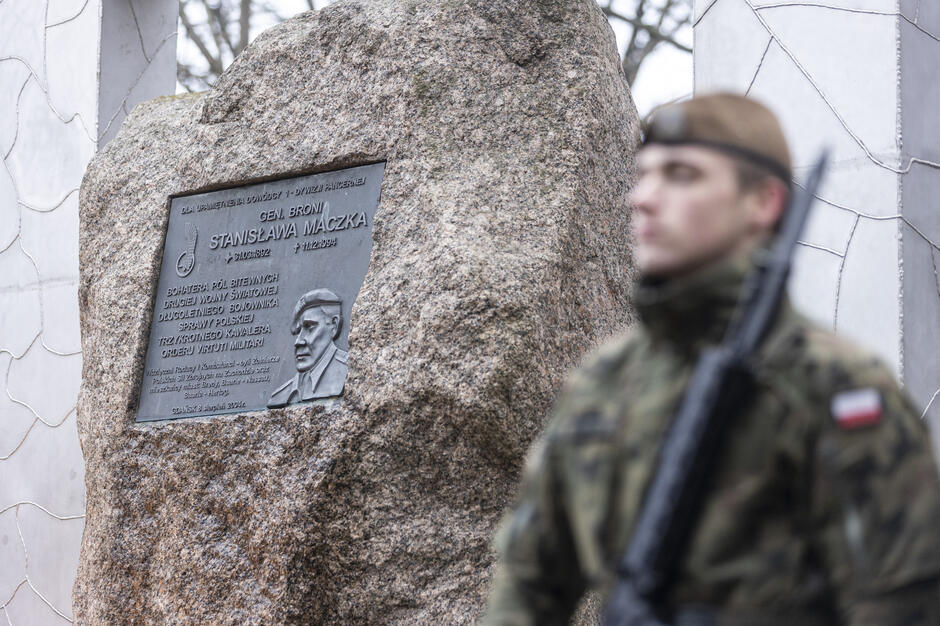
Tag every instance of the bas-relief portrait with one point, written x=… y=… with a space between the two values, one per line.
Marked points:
x=321 y=365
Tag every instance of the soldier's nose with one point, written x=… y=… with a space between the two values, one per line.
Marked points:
x=642 y=195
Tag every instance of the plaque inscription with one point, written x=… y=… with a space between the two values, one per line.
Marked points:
x=254 y=294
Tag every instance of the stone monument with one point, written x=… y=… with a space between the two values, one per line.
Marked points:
x=326 y=306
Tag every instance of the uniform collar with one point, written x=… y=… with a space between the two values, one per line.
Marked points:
x=693 y=310
x=306 y=382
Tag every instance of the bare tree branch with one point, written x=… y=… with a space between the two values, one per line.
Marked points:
x=228 y=29
x=215 y=22
x=215 y=65
x=652 y=30
x=244 y=24
x=225 y=23
x=652 y=24
x=267 y=7
x=189 y=80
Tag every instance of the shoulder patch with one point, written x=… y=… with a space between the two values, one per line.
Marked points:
x=341 y=355
x=856 y=408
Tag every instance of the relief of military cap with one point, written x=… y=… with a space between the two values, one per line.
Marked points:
x=316 y=297
x=736 y=125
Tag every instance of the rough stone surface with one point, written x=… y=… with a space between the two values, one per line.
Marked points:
x=500 y=256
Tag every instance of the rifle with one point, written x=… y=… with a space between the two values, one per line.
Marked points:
x=719 y=385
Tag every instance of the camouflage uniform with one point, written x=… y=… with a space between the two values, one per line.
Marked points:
x=807 y=521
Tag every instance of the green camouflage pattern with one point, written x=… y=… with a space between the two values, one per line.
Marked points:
x=804 y=518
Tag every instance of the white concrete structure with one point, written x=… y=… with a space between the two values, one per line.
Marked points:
x=69 y=72
x=858 y=76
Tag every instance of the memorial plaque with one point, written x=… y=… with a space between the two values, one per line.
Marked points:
x=254 y=295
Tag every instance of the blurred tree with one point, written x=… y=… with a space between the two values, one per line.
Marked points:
x=651 y=23
x=219 y=29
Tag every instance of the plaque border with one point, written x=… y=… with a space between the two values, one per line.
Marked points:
x=136 y=390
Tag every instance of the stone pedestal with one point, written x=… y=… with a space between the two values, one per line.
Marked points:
x=859 y=77
x=499 y=257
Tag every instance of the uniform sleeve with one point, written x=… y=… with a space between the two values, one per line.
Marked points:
x=537 y=580
x=877 y=501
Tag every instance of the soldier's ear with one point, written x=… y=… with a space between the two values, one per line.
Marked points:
x=335 y=321
x=770 y=201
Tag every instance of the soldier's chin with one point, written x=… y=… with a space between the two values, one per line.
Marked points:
x=661 y=265
x=304 y=363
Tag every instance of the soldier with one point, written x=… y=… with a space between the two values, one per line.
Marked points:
x=825 y=505
x=321 y=366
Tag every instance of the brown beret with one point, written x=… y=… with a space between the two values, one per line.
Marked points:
x=734 y=124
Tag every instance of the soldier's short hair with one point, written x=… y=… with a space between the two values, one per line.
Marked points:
x=749 y=175
x=331 y=304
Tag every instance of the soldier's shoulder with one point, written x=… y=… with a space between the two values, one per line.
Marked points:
x=589 y=386
x=341 y=355
x=844 y=361
x=823 y=362
x=605 y=360
x=281 y=395
x=283 y=387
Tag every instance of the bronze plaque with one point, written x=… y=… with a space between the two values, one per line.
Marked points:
x=254 y=296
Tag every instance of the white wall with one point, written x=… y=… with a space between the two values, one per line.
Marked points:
x=53 y=116
x=855 y=75
x=919 y=183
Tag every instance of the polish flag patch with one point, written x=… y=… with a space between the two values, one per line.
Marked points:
x=856 y=408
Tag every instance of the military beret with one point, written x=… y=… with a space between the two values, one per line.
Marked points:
x=317 y=297
x=731 y=123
